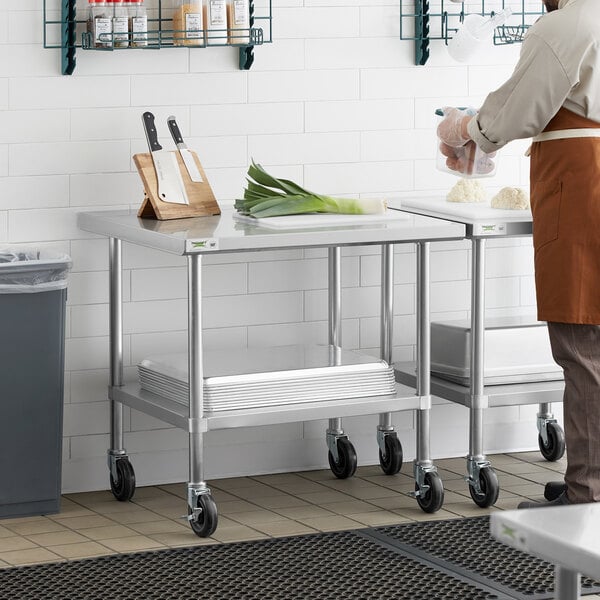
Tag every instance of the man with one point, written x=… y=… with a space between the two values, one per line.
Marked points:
x=553 y=96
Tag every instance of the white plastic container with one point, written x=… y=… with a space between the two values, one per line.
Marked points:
x=475 y=162
x=474 y=34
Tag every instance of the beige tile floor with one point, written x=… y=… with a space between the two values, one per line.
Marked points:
x=94 y=523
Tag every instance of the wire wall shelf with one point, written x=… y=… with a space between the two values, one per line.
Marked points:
x=62 y=29
x=422 y=21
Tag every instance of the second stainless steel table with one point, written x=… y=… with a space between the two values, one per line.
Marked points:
x=563 y=535
x=483 y=222
x=196 y=237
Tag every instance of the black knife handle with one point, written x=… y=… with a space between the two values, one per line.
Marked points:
x=150 y=129
x=174 y=129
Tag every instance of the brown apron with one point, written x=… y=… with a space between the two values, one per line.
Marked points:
x=565 y=203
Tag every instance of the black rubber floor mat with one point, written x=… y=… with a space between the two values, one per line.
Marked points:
x=466 y=547
x=312 y=567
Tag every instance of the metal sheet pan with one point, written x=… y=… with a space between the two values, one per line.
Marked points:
x=279 y=375
x=517 y=349
x=353 y=379
x=267 y=364
x=313 y=389
x=316 y=391
x=215 y=406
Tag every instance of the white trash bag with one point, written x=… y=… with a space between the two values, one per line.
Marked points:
x=30 y=270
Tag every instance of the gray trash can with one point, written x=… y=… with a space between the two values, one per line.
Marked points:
x=33 y=295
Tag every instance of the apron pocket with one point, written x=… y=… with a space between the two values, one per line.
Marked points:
x=545 y=207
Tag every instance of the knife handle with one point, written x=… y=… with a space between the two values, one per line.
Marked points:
x=151 y=133
x=174 y=129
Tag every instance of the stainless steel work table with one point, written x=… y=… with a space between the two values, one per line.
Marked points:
x=563 y=535
x=483 y=222
x=196 y=237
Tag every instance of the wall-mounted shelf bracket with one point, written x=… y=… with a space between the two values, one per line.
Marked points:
x=67 y=27
x=421 y=31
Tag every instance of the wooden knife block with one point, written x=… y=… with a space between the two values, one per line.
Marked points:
x=202 y=199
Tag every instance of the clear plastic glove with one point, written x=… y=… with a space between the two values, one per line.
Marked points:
x=451 y=129
x=467 y=160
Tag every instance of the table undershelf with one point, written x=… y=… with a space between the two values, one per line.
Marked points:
x=175 y=413
x=512 y=394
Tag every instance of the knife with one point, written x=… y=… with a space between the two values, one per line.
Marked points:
x=186 y=155
x=170 y=184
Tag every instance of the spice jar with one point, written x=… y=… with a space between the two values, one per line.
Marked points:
x=138 y=24
x=120 y=24
x=215 y=20
x=99 y=23
x=188 y=23
x=238 y=17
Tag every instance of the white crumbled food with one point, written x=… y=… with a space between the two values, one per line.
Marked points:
x=467 y=190
x=511 y=197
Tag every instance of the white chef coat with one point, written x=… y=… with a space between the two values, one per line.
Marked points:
x=559 y=66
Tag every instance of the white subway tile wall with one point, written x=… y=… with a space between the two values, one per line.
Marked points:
x=335 y=103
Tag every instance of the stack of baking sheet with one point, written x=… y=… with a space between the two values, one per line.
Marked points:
x=263 y=377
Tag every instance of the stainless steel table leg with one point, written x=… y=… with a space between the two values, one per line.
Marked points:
x=429 y=487
x=483 y=482
x=567 y=584
x=334 y=273
x=390 y=448
x=202 y=513
x=342 y=456
x=122 y=477
x=116 y=343
x=423 y=355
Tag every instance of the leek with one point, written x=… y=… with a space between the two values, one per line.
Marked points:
x=267 y=196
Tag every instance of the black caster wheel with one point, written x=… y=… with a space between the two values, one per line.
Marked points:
x=553 y=489
x=555 y=448
x=488 y=482
x=392 y=463
x=433 y=499
x=206 y=522
x=124 y=488
x=346 y=465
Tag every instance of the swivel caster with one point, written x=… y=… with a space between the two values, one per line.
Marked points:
x=345 y=465
x=554 y=449
x=204 y=521
x=391 y=463
x=123 y=487
x=489 y=488
x=432 y=499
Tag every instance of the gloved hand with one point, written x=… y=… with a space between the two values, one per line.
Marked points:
x=467 y=160
x=452 y=130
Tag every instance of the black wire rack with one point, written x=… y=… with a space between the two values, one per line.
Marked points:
x=422 y=21
x=62 y=29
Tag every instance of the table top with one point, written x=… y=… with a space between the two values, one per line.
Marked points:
x=563 y=535
x=221 y=233
x=480 y=218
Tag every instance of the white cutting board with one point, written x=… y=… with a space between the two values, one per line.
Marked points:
x=322 y=220
x=469 y=211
